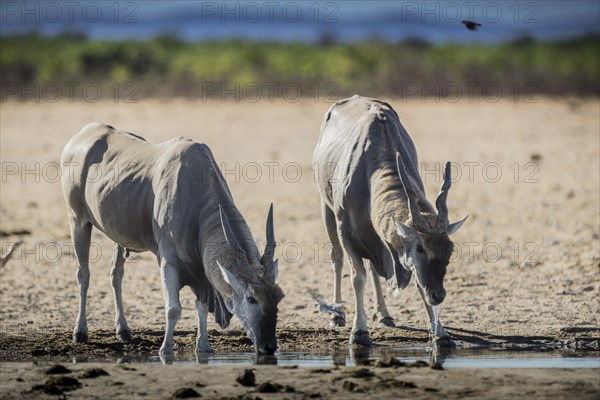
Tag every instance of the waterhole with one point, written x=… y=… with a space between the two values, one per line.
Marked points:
x=446 y=358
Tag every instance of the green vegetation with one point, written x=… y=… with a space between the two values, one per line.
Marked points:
x=166 y=66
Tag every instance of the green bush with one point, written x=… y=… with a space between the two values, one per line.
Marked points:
x=169 y=66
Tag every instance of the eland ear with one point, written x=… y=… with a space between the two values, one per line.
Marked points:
x=456 y=225
x=228 y=232
x=404 y=231
x=271 y=271
x=274 y=270
x=231 y=279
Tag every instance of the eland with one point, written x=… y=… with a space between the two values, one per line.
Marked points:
x=172 y=200
x=375 y=210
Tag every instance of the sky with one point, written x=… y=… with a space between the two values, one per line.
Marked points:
x=305 y=21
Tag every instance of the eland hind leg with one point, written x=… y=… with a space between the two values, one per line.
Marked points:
x=117 y=270
x=360 y=330
x=81 y=232
x=337 y=257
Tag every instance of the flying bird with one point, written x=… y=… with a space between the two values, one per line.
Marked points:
x=472 y=26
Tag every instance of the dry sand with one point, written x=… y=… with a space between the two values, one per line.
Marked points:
x=525 y=272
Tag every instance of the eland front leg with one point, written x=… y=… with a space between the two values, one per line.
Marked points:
x=382 y=314
x=202 y=344
x=437 y=330
x=171 y=287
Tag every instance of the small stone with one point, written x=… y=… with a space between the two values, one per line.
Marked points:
x=94 y=373
x=362 y=361
x=436 y=365
x=268 y=387
x=320 y=371
x=185 y=393
x=60 y=384
x=38 y=352
x=388 y=361
x=362 y=373
x=394 y=383
x=246 y=378
x=418 y=364
x=57 y=369
x=535 y=157
x=289 y=389
x=349 y=386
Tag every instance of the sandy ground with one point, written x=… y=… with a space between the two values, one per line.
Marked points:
x=148 y=381
x=525 y=274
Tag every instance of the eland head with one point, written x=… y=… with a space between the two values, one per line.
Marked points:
x=426 y=247
x=254 y=293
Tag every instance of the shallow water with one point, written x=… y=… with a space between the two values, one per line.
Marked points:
x=461 y=358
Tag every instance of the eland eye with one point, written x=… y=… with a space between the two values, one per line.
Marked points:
x=251 y=300
x=420 y=249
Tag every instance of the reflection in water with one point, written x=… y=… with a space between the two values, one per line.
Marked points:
x=167 y=359
x=266 y=360
x=203 y=358
x=338 y=357
x=354 y=356
x=438 y=355
x=360 y=355
x=210 y=358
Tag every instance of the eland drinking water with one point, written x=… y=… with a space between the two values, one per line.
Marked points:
x=374 y=209
x=172 y=200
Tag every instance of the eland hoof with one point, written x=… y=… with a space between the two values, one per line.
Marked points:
x=166 y=351
x=124 y=335
x=167 y=358
x=387 y=321
x=337 y=322
x=445 y=341
x=202 y=349
x=80 y=337
x=360 y=338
